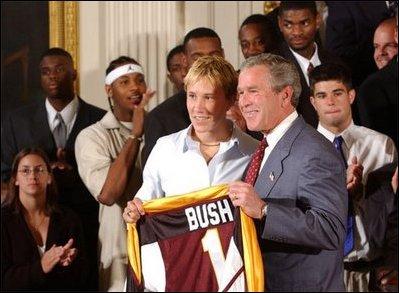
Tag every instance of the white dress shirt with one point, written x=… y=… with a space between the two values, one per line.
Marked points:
x=68 y=114
x=373 y=150
x=304 y=62
x=276 y=134
x=176 y=165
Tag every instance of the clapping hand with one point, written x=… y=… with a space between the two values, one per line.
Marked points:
x=63 y=255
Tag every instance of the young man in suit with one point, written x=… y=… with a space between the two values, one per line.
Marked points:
x=52 y=125
x=363 y=150
x=299 y=22
x=299 y=198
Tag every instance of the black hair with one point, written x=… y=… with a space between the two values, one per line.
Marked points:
x=201 y=32
x=268 y=29
x=56 y=52
x=297 y=5
x=121 y=60
x=176 y=50
x=330 y=71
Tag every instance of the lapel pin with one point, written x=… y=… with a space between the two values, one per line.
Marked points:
x=271 y=176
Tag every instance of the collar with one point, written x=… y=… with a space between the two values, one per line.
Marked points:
x=304 y=62
x=185 y=142
x=346 y=134
x=67 y=114
x=109 y=121
x=277 y=133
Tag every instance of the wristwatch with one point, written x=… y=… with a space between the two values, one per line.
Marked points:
x=132 y=136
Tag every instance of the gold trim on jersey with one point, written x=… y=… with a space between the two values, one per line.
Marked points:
x=252 y=256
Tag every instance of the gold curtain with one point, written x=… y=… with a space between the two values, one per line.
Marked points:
x=63 y=28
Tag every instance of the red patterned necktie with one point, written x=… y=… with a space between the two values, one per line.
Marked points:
x=254 y=165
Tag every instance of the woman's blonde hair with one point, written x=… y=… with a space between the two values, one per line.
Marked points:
x=217 y=71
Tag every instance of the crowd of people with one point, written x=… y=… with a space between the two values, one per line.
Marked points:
x=303 y=134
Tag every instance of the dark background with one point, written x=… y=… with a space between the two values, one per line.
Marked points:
x=24 y=37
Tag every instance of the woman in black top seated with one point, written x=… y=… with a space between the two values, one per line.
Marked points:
x=41 y=243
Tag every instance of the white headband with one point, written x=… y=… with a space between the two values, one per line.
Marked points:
x=122 y=70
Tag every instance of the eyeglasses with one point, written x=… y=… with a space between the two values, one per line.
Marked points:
x=37 y=170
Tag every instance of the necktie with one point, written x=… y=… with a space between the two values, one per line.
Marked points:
x=60 y=131
x=256 y=160
x=349 y=240
x=310 y=68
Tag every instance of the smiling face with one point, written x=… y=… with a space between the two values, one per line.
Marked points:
x=385 y=46
x=299 y=28
x=332 y=101
x=207 y=106
x=32 y=176
x=57 y=77
x=262 y=107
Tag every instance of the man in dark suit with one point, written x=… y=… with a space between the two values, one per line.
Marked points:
x=53 y=124
x=299 y=199
x=172 y=116
x=382 y=226
x=299 y=22
x=378 y=101
x=349 y=33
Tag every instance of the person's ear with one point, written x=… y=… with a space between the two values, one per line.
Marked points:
x=287 y=94
x=108 y=90
x=16 y=183
x=352 y=95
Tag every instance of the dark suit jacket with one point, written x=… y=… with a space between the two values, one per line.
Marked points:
x=378 y=101
x=166 y=118
x=305 y=108
x=28 y=127
x=381 y=215
x=303 y=182
x=20 y=260
x=349 y=34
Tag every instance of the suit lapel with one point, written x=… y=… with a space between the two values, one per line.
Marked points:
x=41 y=130
x=82 y=120
x=273 y=168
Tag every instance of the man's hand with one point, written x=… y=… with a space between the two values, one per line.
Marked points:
x=386 y=277
x=61 y=163
x=243 y=195
x=133 y=211
x=354 y=175
x=139 y=113
x=234 y=114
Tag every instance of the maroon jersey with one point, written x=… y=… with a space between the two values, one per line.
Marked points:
x=196 y=246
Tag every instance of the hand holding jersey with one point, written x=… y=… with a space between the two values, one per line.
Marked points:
x=193 y=242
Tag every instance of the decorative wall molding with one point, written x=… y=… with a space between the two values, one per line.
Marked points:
x=64 y=28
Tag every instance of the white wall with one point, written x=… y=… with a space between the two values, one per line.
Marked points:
x=146 y=31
